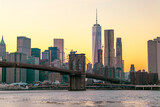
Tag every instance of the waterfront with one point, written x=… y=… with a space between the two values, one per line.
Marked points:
x=89 y=98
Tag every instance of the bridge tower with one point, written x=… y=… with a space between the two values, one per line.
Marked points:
x=77 y=63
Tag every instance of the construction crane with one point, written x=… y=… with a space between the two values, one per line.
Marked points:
x=71 y=51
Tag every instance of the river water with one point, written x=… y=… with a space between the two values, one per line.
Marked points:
x=89 y=98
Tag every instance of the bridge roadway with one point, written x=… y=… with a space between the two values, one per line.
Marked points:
x=7 y=64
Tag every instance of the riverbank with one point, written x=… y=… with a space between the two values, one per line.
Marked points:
x=138 y=87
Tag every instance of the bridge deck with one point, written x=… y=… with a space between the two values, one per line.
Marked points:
x=54 y=69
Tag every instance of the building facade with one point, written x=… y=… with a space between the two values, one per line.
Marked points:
x=89 y=68
x=16 y=74
x=96 y=41
x=36 y=52
x=2 y=72
x=54 y=53
x=45 y=55
x=24 y=45
x=109 y=52
x=2 y=58
x=100 y=56
x=32 y=75
x=154 y=56
x=143 y=78
x=132 y=68
x=2 y=49
x=119 y=57
x=59 y=43
x=97 y=69
x=109 y=72
x=43 y=75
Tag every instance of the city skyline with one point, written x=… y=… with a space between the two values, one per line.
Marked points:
x=142 y=24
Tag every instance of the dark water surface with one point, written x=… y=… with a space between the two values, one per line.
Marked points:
x=89 y=98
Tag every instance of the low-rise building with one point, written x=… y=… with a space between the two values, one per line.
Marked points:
x=143 y=78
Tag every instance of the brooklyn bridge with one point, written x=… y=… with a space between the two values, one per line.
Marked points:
x=76 y=71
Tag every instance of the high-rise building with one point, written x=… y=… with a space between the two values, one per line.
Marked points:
x=51 y=54
x=43 y=75
x=109 y=72
x=2 y=72
x=96 y=41
x=127 y=76
x=7 y=53
x=54 y=53
x=109 y=54
x=36 y=52
x=98 y=66
x=32 y=75
x=16 y=74
x=24 y=45
x=53 y=76
x=154 y=56
x=100 y=56
x=2 y=58
x=2 y=49
x=132 y=68
x=119 y=58
x=59 y=43
x=89 y=68
x=56 y=63
x=123 y=73
x=65 y=78
x=45 y=55
x=119 y=53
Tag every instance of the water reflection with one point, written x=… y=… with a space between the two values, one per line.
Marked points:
x=105 y=98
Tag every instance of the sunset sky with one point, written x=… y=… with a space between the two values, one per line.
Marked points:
x=136 y=21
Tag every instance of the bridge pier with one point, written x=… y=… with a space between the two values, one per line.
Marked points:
x=77 y=83
x=77 y=63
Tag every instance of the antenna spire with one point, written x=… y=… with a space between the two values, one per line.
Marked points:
x=96 y=17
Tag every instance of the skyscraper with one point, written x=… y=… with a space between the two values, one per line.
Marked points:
x=16 y=74
x=59 y=43
x=45 y=55
x=123 y=73
x=54 y=62
x=119 y=53
x=89 y=68
x=43 y=75
x=100 y=56
x=32 y=75
x=132 y=68
x=154 y=56
x=2 y=49
x=2 y=72
x=96 y=41
x=24 y=45
x=2 y=58
x=54 y=53
x=119 y=57
x=109 y=54
x=36 y=52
